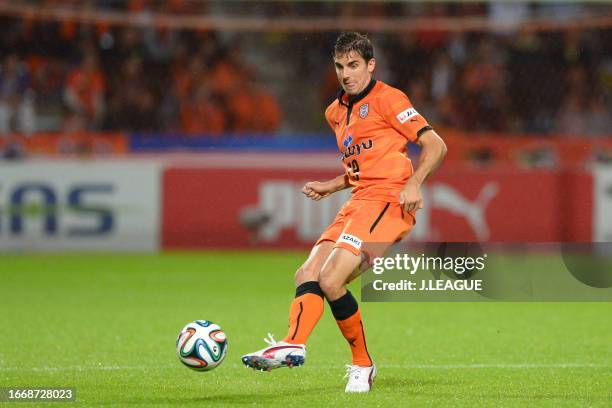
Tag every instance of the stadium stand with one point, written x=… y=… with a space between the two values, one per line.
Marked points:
x=521 y=68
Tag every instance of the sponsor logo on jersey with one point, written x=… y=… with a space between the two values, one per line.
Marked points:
x=407 y=114
x=351 y=240
x=356 y=149
x=347 y=141
x=363 y=111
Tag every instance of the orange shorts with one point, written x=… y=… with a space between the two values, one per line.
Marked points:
x=361 y=223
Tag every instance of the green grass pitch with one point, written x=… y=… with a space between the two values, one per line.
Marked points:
x=107 y=325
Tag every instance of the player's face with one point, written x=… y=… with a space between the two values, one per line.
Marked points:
x=354 y=73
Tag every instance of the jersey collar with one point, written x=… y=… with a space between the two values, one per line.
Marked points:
x=346 y=100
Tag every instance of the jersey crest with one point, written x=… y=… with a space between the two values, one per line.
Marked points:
x=364 y=110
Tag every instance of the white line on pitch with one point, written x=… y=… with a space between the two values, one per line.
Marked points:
x=405 y=366
x=511 y=366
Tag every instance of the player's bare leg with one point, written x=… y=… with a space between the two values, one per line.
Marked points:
x=311 y=268
x=305 y=311
x=363 y=266
x=369 y=252
x=340 y=264
x=339 y=267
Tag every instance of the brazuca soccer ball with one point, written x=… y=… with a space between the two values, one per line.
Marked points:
x=201 y=345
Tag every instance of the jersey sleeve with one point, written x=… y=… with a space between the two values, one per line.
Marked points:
x=397 y=109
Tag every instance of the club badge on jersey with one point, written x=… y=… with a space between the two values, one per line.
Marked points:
x=364 y=110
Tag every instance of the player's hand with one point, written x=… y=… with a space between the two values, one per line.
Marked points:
x=316 y=190
x=410 y=197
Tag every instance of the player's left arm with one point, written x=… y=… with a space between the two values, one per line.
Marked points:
x=433 y=150
x=403 y=117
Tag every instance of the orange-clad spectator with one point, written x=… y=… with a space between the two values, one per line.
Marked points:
x=228 y=72
x=136 y=6
x=186 y=80
x=225 y=76
x=84 y=93
x=180 y=61
x=268 y=114
x=202 y=114
x=68 y=30
x=47 y=75
x=242 y=109
x=252 y=109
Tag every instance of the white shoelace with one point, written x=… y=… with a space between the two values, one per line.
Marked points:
x=351 y=369
x=270 y=340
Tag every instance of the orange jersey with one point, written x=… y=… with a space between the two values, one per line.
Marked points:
x=372 y=130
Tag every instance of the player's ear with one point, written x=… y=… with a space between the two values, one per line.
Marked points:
x=371 y=65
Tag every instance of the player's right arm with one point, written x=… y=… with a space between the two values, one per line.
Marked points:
x=317 y=190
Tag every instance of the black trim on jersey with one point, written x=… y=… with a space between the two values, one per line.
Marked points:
x=379 y=217
x=352 y=100
x=423 y=130
x=297 y=326
x=355 y=98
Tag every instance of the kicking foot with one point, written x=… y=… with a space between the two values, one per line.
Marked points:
x=277 y=354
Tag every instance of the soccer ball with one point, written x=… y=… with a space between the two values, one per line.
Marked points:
x=201 y=345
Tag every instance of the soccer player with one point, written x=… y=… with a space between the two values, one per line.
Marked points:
x=373 y=123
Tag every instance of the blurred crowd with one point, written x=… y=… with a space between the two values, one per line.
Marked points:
x=529 y=82
x=504 y=79
x=72 y=76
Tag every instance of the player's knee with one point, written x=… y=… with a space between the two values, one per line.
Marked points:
x=330 y=286
x=306 y=273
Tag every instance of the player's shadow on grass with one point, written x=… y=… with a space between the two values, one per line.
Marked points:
x=394 y=383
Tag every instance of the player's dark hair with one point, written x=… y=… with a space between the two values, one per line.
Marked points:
x=353 y=41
